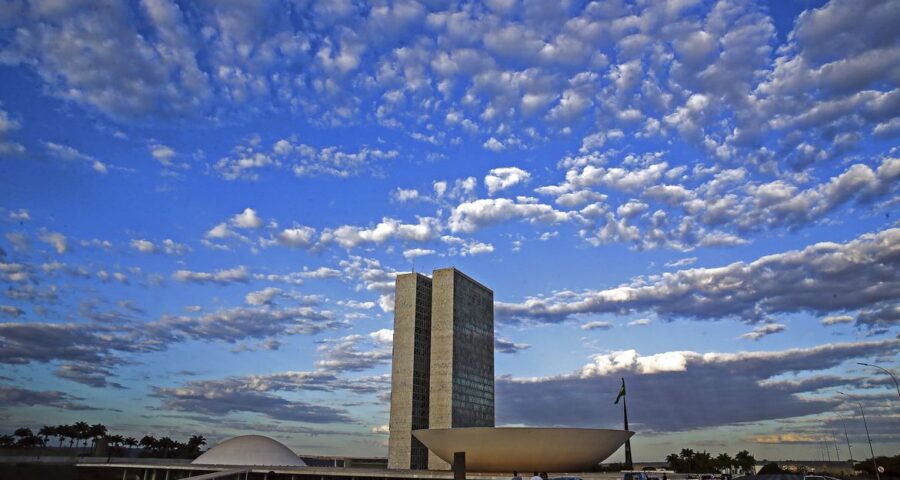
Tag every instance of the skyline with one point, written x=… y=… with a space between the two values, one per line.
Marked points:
x=205 y=204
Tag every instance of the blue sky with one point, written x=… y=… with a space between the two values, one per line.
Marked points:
x=204 y=206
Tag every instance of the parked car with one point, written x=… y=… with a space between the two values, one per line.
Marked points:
x=635 y=476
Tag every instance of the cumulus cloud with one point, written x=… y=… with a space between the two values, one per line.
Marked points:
x=413 y=253
x=167 y=246
x=764 y=330
x=263 y=297
x=247 y=219
x=58 y=241
x=344 y=354
x=221 y=398
x=744 y=391
x=297 y=236
x=15 y=396
x=69 y=154
x=20 y=215
x=596 y=325
x=836 y=319
x=499 y=179
x=815 y=279
x=477 y=214
x=7 y=125
x=504 y=345
x=238 y=274
x=350 y=236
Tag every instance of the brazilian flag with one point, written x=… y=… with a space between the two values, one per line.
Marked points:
x=621 y=392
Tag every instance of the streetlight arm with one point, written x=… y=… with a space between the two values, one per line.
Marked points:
x=897 y=385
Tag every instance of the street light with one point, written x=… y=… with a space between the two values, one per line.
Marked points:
x=885 y=371
x=866 y=424
x=847 y=437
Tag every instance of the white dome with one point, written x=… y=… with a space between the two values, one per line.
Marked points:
x=250 y=450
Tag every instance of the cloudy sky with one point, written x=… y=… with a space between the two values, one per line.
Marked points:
x=203 y=206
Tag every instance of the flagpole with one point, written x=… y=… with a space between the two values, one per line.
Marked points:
x=628 y=464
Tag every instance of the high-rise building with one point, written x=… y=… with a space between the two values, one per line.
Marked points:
x=409 y=371
x=443 y=361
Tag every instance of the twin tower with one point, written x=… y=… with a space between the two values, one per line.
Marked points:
x=442 y=372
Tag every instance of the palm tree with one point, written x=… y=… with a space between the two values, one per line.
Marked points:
x=165 y=444
x=23 y=432
x=116 y=440
x=724 y=461
x=61 y=433
x=687 y=459
x=674 y=462
x=46 y=432
x=194 y=444
x=703 y=461
x=745 y=461
x=149 y=442
x=131 y=442
x=96 y=431
x=81 y=431
x=7 y=440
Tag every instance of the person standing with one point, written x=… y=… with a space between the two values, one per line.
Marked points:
x=516 y=476
x=536 y=476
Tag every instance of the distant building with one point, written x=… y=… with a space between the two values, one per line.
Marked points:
x=443 y=361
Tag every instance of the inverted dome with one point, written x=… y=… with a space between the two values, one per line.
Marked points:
x=490 y=449
x=250 y=450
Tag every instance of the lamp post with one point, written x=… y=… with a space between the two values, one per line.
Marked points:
x=885 y=371
x=866 y=424
x=846 y=437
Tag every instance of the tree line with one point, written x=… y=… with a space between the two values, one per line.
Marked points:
x=78 y=434
x=689 y=461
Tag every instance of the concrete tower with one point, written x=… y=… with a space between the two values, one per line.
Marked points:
x=461 y=392
x=409 y=371
x=443 y=361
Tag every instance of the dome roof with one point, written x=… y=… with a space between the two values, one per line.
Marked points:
x=250 y=450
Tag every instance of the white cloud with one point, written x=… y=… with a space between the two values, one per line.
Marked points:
x=403 y=195
x=493 y=145
x=144 y=246
x=57 y=240
x=299 y=236
x=417 y=252
x=162 y=154
x=681 y=262
x=247 y=219
x=383 y=336
x=20 y=215
x=349 y=236
x=69 y=154
x=836 y=319
x=238 y=274
x=263 y=297
x=8 y=125
x=764 y=330
x=474 y=215
x=820 y=278
x=596 y=325
x=219 y=231
x=502 y=178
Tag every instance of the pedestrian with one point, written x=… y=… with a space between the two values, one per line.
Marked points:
x=544 y=475
x=516 y=476
x=536 y=476
x=664 y=476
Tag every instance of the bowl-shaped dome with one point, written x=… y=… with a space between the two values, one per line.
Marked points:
x=249 y=450
x=524 y=449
